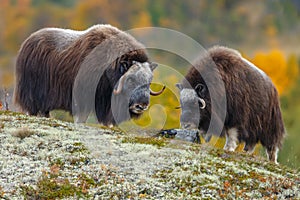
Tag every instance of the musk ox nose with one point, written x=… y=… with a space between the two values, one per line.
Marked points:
x=139 y=108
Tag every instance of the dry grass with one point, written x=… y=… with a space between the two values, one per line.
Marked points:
x=23 y=132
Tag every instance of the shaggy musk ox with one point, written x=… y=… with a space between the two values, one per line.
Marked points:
x=53 y=64
x=252 y=112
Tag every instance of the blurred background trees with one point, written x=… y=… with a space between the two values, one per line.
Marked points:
x=265 y=32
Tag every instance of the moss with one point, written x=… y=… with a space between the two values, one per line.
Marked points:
x=186 y=171
x=109 y=130
x=12 y=116
x=55 y=124
x=77 y=147
x=278 y=169
x=78 y=161
x=7 y=112
x=159 y=142
x=58 y=162
x=78 y=144
x=68 y=162
x=226 y=174
x=53 y=187
x=86 y=181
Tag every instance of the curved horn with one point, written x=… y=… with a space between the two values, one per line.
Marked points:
x=157 y=93
x=120 y=85
x=202 y=102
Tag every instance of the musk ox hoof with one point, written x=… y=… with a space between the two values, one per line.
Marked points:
x=249 y=148
x=272 y=153
x=231 y=149
x=230 y=146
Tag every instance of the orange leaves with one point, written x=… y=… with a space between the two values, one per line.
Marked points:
x=54 y=169
x=226 y=185
x=282 y=71
x=227 y=188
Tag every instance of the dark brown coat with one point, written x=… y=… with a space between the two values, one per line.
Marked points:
x=253 y=106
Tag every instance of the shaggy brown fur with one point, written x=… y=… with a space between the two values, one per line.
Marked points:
x=49 y=60
x=253 y=107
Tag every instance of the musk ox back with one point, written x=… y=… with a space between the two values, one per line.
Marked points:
x=252 y=106
x=56 y=69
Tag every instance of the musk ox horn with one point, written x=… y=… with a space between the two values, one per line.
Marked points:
x=157 y=93
x=120 y=85
x=153 y=65
x=202 y=102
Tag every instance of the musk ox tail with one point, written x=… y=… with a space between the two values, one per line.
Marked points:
x=32 y=79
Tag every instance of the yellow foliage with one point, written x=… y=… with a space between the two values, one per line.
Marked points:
x=162 y=113
x=6 y=79
x=142 y=20
x=283 y=72
x=14 y=23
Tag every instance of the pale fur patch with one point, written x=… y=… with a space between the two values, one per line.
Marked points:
x=275 y=154
x=231 y=139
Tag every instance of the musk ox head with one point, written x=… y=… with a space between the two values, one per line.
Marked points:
x=133 y=91
x=193 y=105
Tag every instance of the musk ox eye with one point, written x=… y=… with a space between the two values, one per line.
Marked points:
x=123 y=67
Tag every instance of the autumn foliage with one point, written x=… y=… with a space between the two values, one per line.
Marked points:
x=283 y=71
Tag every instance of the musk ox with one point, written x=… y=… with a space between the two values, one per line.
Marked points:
x=252 y=108
x=81 y=71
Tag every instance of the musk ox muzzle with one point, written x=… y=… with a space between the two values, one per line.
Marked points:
x=191 y=106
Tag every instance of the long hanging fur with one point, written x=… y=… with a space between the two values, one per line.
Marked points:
x=253 y=105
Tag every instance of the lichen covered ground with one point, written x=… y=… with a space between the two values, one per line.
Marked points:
x=49 y=159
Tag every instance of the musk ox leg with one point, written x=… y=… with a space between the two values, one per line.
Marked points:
x=231 y=139
x=207 y=136
x=45 y=114
x=249 y=148
x=81 y=118
x=272 y=153
x=33 y=113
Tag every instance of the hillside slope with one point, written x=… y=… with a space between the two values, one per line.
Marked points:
x=44 y=158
